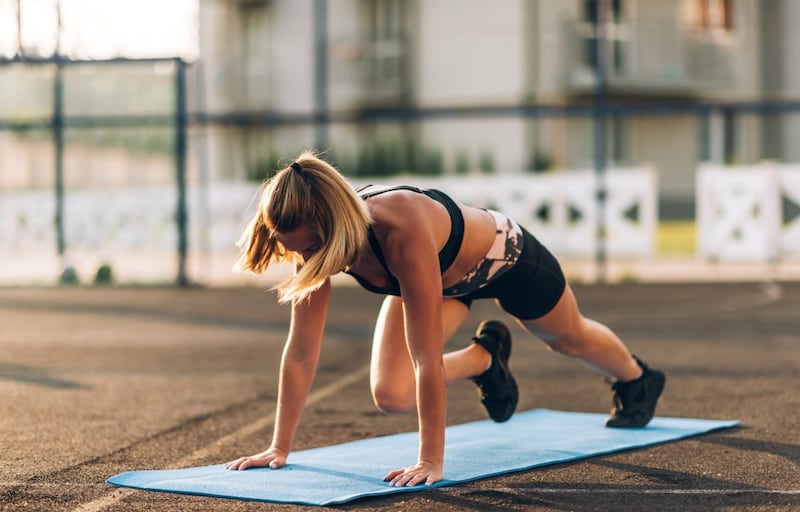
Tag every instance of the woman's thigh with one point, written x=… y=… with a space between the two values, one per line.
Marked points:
x=561 y=322
x=391 y=362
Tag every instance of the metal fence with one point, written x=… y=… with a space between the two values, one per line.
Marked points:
x=114 y=134
x=97 y=168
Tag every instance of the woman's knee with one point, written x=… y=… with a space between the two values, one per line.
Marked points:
x=567 y=345
x=572 y=342
x=390 y=399
x=564 y=329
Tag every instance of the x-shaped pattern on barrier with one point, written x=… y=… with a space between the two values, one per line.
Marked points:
x=630 y=212
x=120 y=218
x=789 y=181
x=26 y=217
x=562 y=209
x=557 y=210
x=739 y=214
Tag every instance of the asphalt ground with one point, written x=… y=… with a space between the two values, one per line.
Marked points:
x=96 y=381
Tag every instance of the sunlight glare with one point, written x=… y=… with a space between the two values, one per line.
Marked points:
x=102 y=28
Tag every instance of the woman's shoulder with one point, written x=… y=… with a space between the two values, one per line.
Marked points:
x=405 y=213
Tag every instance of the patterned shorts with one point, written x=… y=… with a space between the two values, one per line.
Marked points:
x=528 y=287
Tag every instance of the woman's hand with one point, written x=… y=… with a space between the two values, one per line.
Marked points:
x=422 y=471
x=273 y=457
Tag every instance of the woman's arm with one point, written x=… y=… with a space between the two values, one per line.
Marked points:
x=298 y=368
x=412 y=256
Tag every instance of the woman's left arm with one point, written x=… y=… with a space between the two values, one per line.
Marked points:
x=412 y=256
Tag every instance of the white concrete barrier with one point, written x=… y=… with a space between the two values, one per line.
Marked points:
x=561 y=209
x=121 y=225
x=789 y=186
x=740 y=215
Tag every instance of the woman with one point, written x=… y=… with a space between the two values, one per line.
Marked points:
x=431 y=256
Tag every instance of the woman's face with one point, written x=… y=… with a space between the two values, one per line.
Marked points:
x=302 y=241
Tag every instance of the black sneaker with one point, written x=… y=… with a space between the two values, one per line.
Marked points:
x=496 y=386
x=635 y=401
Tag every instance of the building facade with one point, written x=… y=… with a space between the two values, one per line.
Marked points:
x=459 y=86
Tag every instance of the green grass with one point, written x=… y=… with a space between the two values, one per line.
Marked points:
x=676 y=238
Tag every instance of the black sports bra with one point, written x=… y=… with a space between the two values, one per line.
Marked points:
x=446 y=256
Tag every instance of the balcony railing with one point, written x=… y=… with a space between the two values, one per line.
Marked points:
x=363 y=73
x=657 y=57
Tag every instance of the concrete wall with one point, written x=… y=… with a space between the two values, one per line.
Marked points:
x=469 y=52
x=781 y=77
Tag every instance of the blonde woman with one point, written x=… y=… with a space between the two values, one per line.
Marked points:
x=431 y=257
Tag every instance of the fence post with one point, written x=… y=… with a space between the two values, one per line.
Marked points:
x=321 y=74
x=58 y=145
x=181 y=123
x=600 y=139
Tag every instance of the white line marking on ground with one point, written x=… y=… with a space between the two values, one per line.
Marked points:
x=767 y=294
x=462 y=489
x=466 y=489
x=119 y=494
x=613 y=490
x=45 y=485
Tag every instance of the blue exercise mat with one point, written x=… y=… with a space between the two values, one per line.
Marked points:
x=345 y=472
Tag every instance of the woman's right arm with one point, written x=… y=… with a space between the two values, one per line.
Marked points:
x=298 y=367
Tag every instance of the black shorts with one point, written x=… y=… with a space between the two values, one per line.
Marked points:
x=531 y=289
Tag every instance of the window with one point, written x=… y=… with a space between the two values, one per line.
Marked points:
x=590 y=9
x=255 y=52
x=386 y=64
x=613 y=33
x=710 y=15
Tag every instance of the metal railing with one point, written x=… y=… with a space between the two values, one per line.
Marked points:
x=61 y=118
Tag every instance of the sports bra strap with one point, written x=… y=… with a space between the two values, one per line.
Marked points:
x=446 y=256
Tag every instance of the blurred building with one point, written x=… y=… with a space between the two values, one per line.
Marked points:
x=102 y=158
x=456 y=85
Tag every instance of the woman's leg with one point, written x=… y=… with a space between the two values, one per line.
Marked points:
x=391 y=373
x=566 y=330
x=637 y=387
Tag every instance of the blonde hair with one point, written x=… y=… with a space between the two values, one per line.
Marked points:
x=313 y=193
